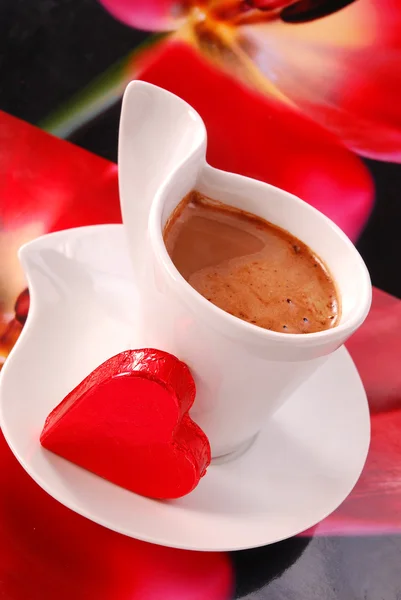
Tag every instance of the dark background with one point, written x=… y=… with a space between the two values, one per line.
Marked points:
x=50 y=49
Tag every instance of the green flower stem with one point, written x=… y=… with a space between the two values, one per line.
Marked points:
x=99 y=95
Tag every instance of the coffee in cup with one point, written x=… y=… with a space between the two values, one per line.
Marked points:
x=251 y=268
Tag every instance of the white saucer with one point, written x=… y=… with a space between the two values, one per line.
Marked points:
x=301 y=467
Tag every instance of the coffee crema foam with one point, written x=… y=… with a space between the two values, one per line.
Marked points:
x=250 y=268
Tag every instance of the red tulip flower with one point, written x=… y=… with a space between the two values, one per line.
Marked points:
x=336 y=61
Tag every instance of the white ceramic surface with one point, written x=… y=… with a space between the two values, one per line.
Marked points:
x=83 y=310
x=243 y=372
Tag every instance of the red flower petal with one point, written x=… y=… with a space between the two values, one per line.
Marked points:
x=375 y=503
x=257 y=136
x=22 y=306
x=48 y=552
x=376 y=350
x=151 y=15
x=342 y=70
x=57 y=185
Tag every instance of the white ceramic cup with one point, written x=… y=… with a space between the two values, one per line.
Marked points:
x=243 y=373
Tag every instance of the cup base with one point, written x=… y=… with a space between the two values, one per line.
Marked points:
x=244 y=447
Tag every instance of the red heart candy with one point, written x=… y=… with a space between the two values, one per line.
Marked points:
x=128 y=422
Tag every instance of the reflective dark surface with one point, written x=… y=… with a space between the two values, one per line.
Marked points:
x=323 y=568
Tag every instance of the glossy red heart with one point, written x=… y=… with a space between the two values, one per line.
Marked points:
x=128 y=422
